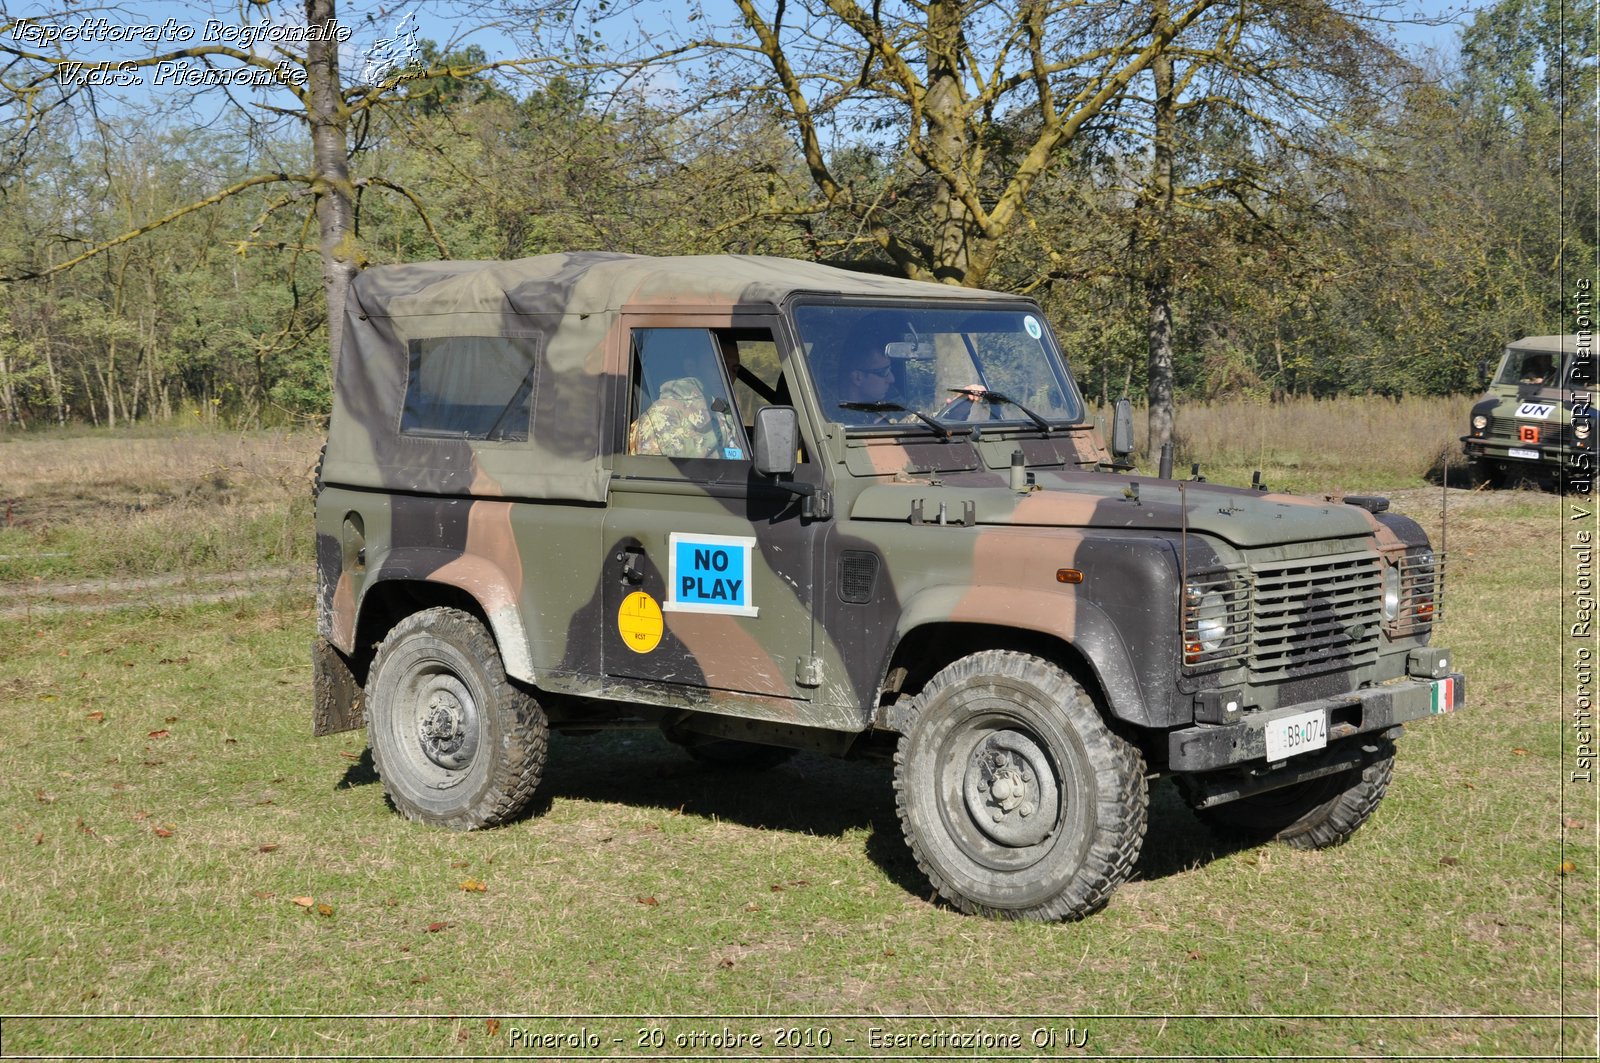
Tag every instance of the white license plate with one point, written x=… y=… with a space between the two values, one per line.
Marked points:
x=1297 y=734
x=1523 y=452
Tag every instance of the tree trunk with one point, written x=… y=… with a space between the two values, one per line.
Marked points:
x=947 y=135
x=1158 y=247
x=329 y=120
x=8 y=395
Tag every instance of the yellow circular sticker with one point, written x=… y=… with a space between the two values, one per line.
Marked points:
x=639 y=621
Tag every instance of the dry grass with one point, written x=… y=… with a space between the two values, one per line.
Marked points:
x=78 y=506
x=50 y=478
x=1318 y=445
x=647 y=885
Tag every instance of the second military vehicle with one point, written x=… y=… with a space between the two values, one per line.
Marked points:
x=1537 y=419
x=769 y=505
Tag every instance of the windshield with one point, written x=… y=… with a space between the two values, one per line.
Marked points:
x=1535 y=367
x=957 y=365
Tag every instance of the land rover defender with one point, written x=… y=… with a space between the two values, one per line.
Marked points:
x=768 y=506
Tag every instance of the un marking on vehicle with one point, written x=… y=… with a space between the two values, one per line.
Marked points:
x=1540 y=411
x=710 y=574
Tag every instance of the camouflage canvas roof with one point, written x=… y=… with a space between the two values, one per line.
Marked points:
x=562 y=308
x=1553 y=344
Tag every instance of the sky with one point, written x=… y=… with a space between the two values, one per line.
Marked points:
x=379 y=31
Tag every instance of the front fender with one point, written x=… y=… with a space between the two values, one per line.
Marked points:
x=1083 y=626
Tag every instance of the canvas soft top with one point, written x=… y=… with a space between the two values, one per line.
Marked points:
x=565 y=307
x=1551 y=344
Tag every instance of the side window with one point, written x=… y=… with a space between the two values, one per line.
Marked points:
x=760 y=381
x=681 y=406
x=758 y=362
x=470 y=387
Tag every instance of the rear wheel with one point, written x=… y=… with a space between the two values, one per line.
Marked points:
x=1316 y=814
x=1016 y=799
x=456 y=743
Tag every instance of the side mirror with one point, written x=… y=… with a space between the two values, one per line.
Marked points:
x=1122 y=429
x=1483 y=373
x=777 y=438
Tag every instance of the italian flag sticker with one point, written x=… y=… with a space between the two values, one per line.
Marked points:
x=1444 y=696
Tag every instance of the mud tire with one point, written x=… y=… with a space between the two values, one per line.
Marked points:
x=456 y=743
x=1316 y=814
x=999 y=728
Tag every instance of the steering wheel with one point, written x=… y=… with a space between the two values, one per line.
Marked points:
x=961 y=406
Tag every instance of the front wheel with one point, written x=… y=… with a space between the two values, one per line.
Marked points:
x=1316 y=814
x=455 y=742
x=1016 y=799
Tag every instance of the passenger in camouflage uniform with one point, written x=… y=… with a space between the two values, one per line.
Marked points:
x=683 y=423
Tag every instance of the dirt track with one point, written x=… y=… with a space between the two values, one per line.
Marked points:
x=36 y=598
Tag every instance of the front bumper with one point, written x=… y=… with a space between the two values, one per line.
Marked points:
x=1209 y=747
x=1481 y=448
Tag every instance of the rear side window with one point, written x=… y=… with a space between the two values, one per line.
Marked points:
x=471 y=387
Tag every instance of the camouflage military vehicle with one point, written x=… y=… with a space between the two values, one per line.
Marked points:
x=1537 y=418
x=892 y=531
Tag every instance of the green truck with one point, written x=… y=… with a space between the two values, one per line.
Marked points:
x=769 y=506
x=1536 y=420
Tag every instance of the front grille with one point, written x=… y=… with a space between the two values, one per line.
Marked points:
x=1314 y=613
x=1284 y=618
x=1505 y=429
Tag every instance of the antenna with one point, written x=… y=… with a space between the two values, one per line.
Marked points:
x=1183 y=563
x=1444 y=537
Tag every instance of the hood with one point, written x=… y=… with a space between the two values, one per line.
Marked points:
x=1239 y=516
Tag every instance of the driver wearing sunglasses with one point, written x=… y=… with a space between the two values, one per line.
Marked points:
x=869 y=379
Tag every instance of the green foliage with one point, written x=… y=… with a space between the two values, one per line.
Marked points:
x=1358 y=248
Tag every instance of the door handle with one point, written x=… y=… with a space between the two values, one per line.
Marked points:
x=632 y=558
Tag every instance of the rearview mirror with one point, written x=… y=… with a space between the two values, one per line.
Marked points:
x=777 y=438
x=1122 y=429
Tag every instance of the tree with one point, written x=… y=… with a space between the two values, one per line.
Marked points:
x=1256 y=96
x=972 y=101
x=44 y=71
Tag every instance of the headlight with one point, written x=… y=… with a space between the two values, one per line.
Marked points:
x=1391 y=592
x=1580 y=429
x=1208 y=619
x=1480 y=422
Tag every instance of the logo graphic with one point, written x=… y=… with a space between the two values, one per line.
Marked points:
x=392 y=53
x=639 y=622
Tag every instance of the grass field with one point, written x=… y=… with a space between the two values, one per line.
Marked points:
x=174 y=843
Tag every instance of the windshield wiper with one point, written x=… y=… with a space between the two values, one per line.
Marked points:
x=895 y=407
x=996 y=397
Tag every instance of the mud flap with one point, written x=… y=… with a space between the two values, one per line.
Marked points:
x=340 y=702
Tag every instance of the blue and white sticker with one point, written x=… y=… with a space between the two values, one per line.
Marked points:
x=1031 y=324
x=710 y=574
x=1537 y=410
